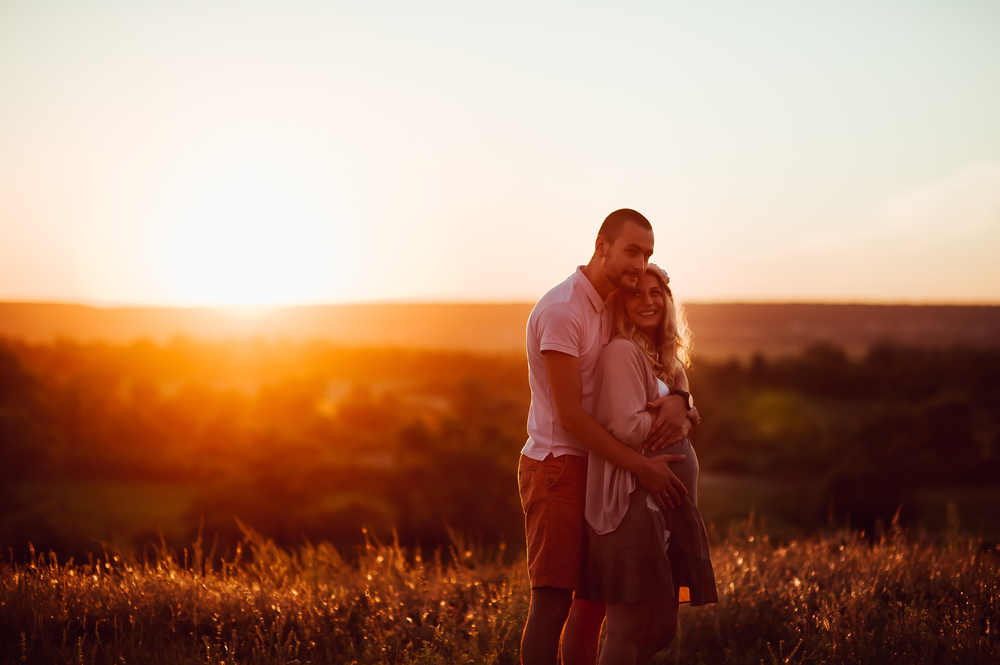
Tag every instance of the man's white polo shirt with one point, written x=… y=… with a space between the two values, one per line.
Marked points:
x=571 y=318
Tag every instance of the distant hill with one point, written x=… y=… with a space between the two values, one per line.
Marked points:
x=720 y=329
x=741 y=329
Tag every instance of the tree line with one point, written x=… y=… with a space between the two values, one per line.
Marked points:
x=312 y=440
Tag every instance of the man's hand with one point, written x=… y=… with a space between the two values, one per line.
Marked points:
x=661 y=483
x=652 y=472
x=671 y=423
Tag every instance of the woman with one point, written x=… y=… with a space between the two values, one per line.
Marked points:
x=639 y=559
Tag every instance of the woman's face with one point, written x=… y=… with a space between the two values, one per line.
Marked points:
x=645 y=305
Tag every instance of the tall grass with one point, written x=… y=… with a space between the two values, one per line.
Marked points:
x=265 y=605
x=841 y=598
x=835 y=598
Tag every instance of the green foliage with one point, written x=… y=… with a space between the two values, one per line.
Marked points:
x=832 y=598
x=873 y=430
x=24 y=434
x=311 y=440
x=301 y=440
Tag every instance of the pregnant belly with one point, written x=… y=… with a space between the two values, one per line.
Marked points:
x=686 y=469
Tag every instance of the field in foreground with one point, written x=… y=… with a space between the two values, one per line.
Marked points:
x=834 y=598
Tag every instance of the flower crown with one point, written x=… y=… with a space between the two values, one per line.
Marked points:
x=663 y=273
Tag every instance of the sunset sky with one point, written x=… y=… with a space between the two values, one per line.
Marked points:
x=189 y=153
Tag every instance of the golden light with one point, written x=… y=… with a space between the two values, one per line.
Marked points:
x=251 y=237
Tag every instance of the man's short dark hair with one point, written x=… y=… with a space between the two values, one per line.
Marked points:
x=613 y=223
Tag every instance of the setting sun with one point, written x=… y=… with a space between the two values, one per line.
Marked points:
x=301 y=153
x=248 y=236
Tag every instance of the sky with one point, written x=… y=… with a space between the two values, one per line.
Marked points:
x=277 y=153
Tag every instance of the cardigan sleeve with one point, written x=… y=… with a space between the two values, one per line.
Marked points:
x=622 y=391
x=624 y=383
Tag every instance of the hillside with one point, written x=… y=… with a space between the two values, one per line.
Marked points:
x=720 y=329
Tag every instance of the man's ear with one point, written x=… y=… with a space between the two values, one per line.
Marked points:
x=601 y=246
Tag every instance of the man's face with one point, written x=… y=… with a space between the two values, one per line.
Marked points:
x=625 y=260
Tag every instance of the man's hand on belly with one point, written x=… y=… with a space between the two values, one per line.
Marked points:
x=660 y=481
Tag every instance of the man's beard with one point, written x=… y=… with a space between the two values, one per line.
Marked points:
x=624 y=281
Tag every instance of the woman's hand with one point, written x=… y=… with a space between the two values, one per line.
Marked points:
x=670 y=424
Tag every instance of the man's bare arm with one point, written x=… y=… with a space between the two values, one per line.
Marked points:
x=567 y=395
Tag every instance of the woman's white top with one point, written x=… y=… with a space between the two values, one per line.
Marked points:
x=662 y=389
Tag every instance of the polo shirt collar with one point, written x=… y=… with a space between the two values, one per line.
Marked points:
x=588 y=288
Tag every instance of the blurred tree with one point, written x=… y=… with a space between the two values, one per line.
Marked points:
x=26 y=437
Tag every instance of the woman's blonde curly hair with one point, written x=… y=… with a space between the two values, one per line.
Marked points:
x=670 y=351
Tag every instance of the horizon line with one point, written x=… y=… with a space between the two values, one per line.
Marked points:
x=262 y=307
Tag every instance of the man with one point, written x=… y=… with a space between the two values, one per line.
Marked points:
x=566 y=331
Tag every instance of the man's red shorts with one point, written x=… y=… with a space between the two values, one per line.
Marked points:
x=553 y=493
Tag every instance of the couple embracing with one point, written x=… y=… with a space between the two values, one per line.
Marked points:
x=608 y=477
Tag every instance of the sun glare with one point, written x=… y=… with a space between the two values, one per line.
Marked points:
x=248 y=241
x=247 y=312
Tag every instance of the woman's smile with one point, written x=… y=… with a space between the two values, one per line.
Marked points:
x=644 y=305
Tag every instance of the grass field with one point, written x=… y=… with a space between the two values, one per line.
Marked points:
x=834 y=598
x=113 y=512
x=134 y=514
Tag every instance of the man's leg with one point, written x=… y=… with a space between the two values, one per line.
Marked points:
x=582 y=634
x=546 y=617
x=553 y=495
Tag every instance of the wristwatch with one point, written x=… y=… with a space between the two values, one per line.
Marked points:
x=688 y=400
